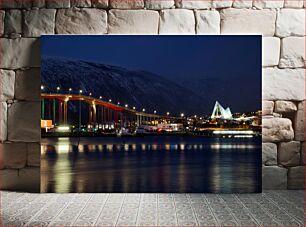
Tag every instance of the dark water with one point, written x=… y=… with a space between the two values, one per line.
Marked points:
x=151 y=164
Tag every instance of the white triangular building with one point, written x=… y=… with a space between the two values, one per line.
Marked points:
x=220 y=112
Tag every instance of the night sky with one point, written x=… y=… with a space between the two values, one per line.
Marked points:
x=232 y=59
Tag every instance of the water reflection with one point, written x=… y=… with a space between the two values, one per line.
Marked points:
x=158 y=164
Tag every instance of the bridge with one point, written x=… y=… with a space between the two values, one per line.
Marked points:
x=100 y=112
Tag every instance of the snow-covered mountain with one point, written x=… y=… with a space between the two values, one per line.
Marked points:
x=137 y=88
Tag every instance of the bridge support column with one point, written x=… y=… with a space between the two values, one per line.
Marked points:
x=43 y=109
x=61 y=112
x=54 y=111
x=90 y=115
x=94 y=115
x=65 y=112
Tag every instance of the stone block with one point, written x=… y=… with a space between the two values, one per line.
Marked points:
x=289 y=153
x=274 y=177
x=7 y=85
x=296 y=178
x=126 y=4
x=299 y=122
x=55 y=4
x=192 y=4
x=293 y=52
x=159 y=4
x=39 y=22
x=13 y=21
x=262 y=4
x=269 y=154
x=3 y=121
x=248 y=21
x=28 y=83
x=27 y=179
x=81 y=21
x=208 y=22
x=100 y=3
x=38 y=3
x=285 y=106
x=222 y=3
x=139 y=22
x=242 y=4
x=24 y=122
x=177 y=21
x=283 y=84
x=2 y=15
x=271 y=51
x=13 y=155
x=20 y=53
x=15 y=4
x=80 y=3
x=277 y=130
x=33 y=158
x=267 y=107
x=290 y=22
x=293 y=3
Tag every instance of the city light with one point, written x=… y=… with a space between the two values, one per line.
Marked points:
x=42 y=87
x=90 y=94
x=195 y=116
x=81 y=91
x=182 y=114
x=126 y=105
x=229 y=132
x=168 y=113
x=100 y=97
x=70 y=89
x=110 y=100
x=63 y=128
x=155 y=112
x=58 y=88
x=118 y=103
x=134 y=108
x=143 y=110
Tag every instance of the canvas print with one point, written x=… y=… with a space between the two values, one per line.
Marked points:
x=148 y=114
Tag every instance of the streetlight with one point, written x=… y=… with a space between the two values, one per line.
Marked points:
x=90 y=94
x=154 y=111
x=42 y=87
x=58 y=88
x=118 y=103
x=195 y=116
x=168 y=113
x=70 y=90
x=182 y=114
x=100 y=97
x=143 y=110
x=134 y=108
x=110 y=100
x=126 y=105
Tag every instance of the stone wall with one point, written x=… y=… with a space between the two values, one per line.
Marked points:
x=281 y=22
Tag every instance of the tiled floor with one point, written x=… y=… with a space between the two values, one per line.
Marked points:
x=271 y=208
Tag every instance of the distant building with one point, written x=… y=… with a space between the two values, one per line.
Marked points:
x=220 y=112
